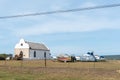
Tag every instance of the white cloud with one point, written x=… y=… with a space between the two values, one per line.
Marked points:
x=78 y=24
x=66 y=22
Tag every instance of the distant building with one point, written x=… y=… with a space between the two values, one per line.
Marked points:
x=31 y=50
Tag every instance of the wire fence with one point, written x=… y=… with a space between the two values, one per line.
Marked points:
x=68 y=69
x=51 y=64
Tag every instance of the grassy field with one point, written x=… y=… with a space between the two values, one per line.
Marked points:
x=36 y=70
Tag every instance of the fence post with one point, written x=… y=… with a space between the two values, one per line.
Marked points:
x=45 y=58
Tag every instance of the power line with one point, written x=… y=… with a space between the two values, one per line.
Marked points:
x=61 y=11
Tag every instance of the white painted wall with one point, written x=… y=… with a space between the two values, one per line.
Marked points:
x=39 y=54
x=22 y=41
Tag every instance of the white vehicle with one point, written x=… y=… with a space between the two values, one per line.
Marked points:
x=8 y=58
x=100 y=58
x=77 y=58
x=88 y=57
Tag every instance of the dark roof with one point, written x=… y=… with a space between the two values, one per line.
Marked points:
x=37 y=46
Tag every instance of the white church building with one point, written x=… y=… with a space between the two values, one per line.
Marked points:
x=31 y=50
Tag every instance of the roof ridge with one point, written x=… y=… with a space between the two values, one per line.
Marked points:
x=33 y=42
x=34 y=45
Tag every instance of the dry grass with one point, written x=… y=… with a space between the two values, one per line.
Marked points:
x=35 y=70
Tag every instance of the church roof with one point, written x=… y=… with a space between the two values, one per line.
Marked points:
x=37 y=46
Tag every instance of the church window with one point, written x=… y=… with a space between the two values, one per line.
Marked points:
x=21 y=44
x=34 y=53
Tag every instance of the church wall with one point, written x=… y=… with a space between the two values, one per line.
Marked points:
x=24 y=50
x=39 y=54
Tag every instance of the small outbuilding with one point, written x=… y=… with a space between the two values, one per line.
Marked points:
x=31 y=50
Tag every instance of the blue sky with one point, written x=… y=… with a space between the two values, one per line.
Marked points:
x=72 y=33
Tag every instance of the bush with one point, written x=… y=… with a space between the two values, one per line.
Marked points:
x=3 y=56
